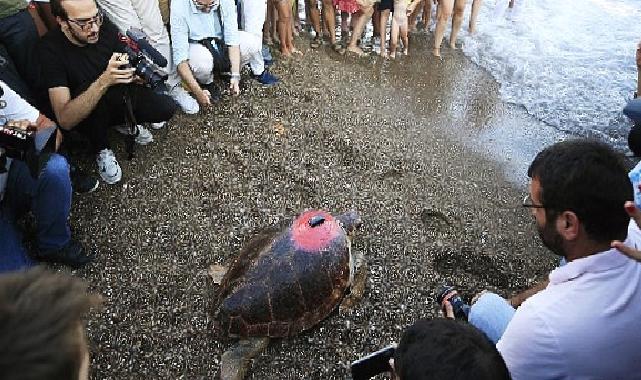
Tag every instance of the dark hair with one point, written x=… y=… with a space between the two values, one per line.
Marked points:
x=590 y=179
x=634 y=139
x=447 y=349
x=40 y=316
x=58 y=10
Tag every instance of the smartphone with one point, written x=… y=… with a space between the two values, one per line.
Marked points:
x=373 y=364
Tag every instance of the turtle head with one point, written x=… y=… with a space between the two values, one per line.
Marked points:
x=350 y=221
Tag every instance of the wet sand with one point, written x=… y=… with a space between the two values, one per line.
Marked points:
x=393 y=140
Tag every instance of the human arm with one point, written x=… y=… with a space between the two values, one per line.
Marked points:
x=202 y=96
x=519 y=298
x=232 y=40
x=70 y=112
x=627 y=250
x=234 y=59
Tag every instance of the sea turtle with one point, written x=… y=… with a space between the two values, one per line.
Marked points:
x=284 y=282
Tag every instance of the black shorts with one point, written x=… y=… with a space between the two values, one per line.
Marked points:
x=386 y=4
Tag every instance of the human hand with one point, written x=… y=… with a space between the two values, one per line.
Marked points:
x=114 y=74
x=446 y=306
x=234 y=86
x=635 y=214
x=19 y=124
x=204 y=98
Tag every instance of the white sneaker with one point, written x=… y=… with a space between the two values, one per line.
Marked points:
x=144 y=136
x=158 y=126
x=184 y=100
x=108 y=167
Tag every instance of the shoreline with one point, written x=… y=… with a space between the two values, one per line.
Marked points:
x=338 y=133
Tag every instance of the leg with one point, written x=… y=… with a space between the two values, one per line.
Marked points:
x=412 y=19
x=201 y=63
x=427 y=14
x=314 y=16
x=150 y=107
x=393 y=39
x=443 y=13
x=267 y=27
x=476 y=7
x=357 y=289
x=405 y=39
x=234 y=362
x=50 y=199
x=491 y=314
x=358 y=30
x=330 y=20
x=14 y=257
x=383 y=28
x=284 y=28
x=457 y=21
x=251 y=52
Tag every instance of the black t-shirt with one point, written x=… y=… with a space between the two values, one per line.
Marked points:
x=76 y=67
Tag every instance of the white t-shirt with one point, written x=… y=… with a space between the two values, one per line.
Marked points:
x=16 y=109
x=585 y=325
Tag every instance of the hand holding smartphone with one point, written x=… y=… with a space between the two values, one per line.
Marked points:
x=373 y=364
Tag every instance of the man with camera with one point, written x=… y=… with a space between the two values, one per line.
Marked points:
x=584 y=323
x=91 y=84
x=33 y=177
x=205 y=37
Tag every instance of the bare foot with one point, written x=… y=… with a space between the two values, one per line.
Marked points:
x=383 y=54
x=392 y=55
x=356 y=50
x=436 y=52
x=453 y=45
x=297 y=52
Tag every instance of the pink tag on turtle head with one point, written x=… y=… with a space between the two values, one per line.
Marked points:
x=314 y=230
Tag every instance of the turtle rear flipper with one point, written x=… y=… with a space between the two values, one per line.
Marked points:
x=235 y=361
x=358 y=285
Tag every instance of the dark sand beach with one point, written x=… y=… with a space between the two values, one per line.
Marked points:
x=389 y=139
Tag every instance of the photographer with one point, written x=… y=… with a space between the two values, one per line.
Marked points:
x=205 y=37
x=592 y=303
x=39 y=183
x=88 y=78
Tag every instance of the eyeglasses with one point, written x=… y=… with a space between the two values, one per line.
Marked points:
x=529 y=203
x=87 y=24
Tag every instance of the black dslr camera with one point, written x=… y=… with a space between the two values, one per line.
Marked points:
x=138 y=49
x=15 y=142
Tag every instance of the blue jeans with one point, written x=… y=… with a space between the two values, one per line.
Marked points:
x=48 y=197
x=491 y=314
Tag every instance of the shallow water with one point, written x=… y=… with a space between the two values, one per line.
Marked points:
x=570 y=63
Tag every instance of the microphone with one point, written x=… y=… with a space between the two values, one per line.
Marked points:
x=140 y=38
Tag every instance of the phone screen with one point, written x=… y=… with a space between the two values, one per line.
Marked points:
x=373 y=364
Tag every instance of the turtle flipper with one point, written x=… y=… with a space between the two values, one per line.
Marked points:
x=358 y=285
x=234 y=362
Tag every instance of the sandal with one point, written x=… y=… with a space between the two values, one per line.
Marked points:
x=337 y=47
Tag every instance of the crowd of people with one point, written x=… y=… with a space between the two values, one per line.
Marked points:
x=67 y=74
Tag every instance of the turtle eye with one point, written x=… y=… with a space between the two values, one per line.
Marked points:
x=316 y=221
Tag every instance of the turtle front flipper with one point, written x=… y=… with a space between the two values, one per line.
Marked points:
x=358 y=285
x=235 y=361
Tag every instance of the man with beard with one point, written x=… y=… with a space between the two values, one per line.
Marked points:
x=585 y=322
x=87 y=74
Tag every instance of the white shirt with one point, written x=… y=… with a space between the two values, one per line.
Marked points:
x=16 y=109
x=585 y=325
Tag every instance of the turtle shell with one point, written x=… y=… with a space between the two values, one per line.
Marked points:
x=285 y=282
